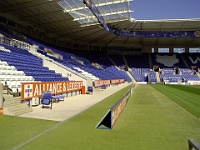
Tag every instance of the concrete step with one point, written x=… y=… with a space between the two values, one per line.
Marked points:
x=20 y=111
x=15 y=107
x=11 y=102
x=10 y=97
x=5 y=91
x=158 y=77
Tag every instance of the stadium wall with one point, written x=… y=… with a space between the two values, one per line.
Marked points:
x=66 y=73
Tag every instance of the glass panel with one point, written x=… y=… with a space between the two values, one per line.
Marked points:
x=163 y=50
x=80 y=11
x=179 y=50
x=194 y=50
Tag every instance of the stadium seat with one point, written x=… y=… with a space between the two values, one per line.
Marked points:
x=103 y=86
x=90 y=90
x=58 y=97
x=46 y=99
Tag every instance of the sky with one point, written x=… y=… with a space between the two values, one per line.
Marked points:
x=165 y=9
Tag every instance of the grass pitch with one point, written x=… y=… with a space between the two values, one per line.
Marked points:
x=187 y=96
x=150 y=120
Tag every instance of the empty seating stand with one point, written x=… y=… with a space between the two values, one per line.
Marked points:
x=31 y=65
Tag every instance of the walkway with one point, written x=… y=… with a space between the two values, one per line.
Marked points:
x=72 y=106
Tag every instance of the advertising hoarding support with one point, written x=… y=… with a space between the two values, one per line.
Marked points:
x=114 y=112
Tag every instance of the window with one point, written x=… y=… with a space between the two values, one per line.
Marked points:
x=194 y=50
x=163 y=50
x=179 y=50
x=152 y=50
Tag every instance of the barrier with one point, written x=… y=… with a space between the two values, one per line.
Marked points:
x=35 y=89
x=1 y=98
x=117 y=81
x=99 y=83
x=193 y=145
x=110 y=119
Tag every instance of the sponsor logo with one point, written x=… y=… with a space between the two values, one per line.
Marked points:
x=197 y=34
x=99 y=83
x=35 y=89
x=168 y=61
x=194 y=61
x=28 y=90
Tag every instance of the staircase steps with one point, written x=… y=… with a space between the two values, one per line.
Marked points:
x=129 y=74
x=11 y=102
x=157 y=77
x=20 y=111
x=14 y=107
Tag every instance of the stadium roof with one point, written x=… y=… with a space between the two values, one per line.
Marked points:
x=75 y=24
x=110 y=10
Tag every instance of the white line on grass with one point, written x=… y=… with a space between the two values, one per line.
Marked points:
x=40 y=134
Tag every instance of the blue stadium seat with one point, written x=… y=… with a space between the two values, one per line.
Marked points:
x=46 y=99
x=90 y=90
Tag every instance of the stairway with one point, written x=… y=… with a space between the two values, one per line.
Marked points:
x=129 y=74
x=184 y=61
x=14 y=107
x=157 y=77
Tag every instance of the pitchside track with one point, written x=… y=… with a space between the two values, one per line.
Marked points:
x=151 y=120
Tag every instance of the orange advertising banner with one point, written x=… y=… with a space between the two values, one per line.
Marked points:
x=99 y=83
x=121 y=80
x=117 y=109
x=35 y=89
x=114 y=81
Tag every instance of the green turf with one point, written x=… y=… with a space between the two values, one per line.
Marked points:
x=14 y=130
x=150 y=120
x=186 y=96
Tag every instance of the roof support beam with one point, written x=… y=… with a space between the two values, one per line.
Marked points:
x=60 y=29
x=126 y=40
x=189 y=43
x=183 y=25
x=172 y=43
x=95 y=40
x=161 y=28
x=135 y=25
x=111 y=40
x=82 y=29
x=55 y=30
x=97 y=5
x=88 y=34
x=106 y=14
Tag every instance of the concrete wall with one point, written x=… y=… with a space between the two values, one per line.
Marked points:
x=67 y=72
